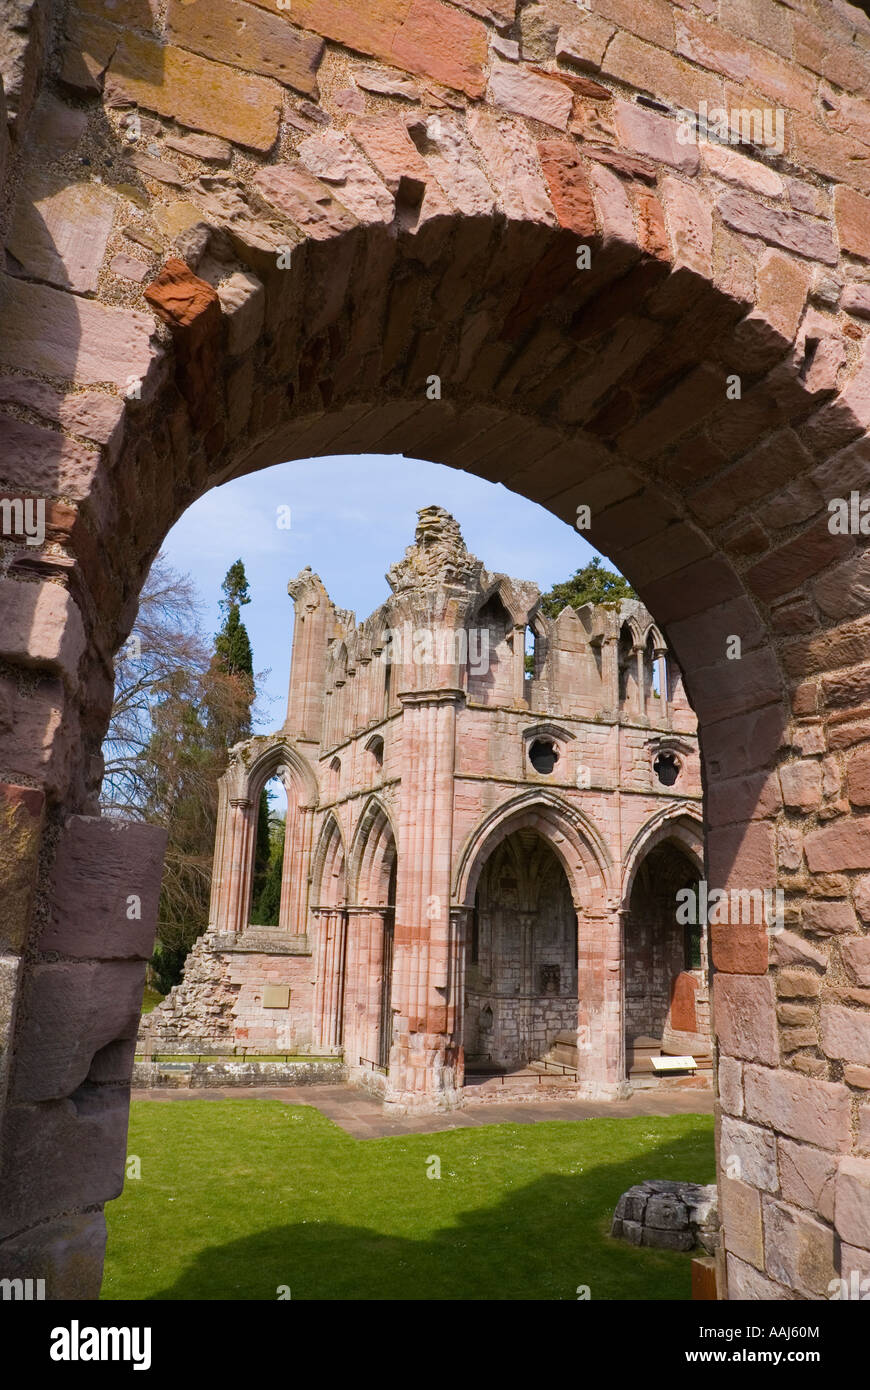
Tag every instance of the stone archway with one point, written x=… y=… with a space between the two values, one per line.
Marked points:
x=584 y=859
x=503 y=259
x=521 y=956
x=371 y=928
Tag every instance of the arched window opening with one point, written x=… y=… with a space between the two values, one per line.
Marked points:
x=521 y=958
x=666 y=1006
x=269 y=854
x=627 y=667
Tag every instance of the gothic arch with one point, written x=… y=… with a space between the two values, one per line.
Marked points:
x=572 y=836
x=372 y=855
x=328 y=869
x=677 y=824
x=250 y=778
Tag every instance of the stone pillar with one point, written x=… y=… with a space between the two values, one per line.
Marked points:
x=313 y=627
x=520 y=665
x=364 y=984
x=237 y=856
x=610 y=673
x=293 y=913
x=600 y=1042
x=291 y=830
x=662 y=664
x=331 y=965
x=639 y=655
x=424 y=1050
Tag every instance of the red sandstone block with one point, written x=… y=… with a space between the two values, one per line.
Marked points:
x=769 y=25
x=743 y=857
x=748 y=683
x=841 y=845
x=807 y=1177
x=38 y=1177
x=845 y=1033
x=824 y=152
x=740 y=1211
x=856 y=958
x=421 y=36
x=40 y=626
x=852 y=214
x=827 y=917
x=827 y=51
x=801 y=785
x=568 y=184
x=386 y=141
x=236 y=33
x=852 y=1202
x=791 y=230
x=685 y=406
x=755 y=797
x=55 y=334
x=744 y=1015
x=195 y=91
x=690 y=221
x=654 y=135
x=817 y=1112
x=659 y=73
x=529 y=93
x=649 y=19
x=106 y=882
x=72 y=1012
x=790 y=565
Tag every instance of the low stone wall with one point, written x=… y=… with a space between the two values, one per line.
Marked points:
x=194 y=1075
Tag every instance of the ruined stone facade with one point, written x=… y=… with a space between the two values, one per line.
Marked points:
x=543 y=799
x=230 y=244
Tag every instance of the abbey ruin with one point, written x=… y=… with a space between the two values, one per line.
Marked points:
x=562 y=805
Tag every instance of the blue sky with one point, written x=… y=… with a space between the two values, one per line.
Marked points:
x=350 y=519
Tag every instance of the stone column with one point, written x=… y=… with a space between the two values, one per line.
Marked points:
x=662 y=664
x=238 y=866
x=520 y=665
x=422 y=1056
x=364 y=984
x=610 y=673
x=293 y=914
x=329 y=991
x=639 y=655
x=291 y=828
x=600 y=1045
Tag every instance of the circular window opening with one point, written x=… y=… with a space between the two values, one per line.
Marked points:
x=667 y=768
x=543 y=755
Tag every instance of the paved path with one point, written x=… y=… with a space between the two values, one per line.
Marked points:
x=363 y=1116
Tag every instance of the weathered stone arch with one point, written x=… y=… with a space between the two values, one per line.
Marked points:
x=675 y=823
x=329 y=866
x=575 y=840
x=421 y=249
x=589 y=870
x=372 y=853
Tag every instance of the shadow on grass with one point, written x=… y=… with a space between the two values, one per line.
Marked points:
x=541 y=1241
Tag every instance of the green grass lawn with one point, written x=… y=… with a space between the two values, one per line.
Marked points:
x=238 y=1197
